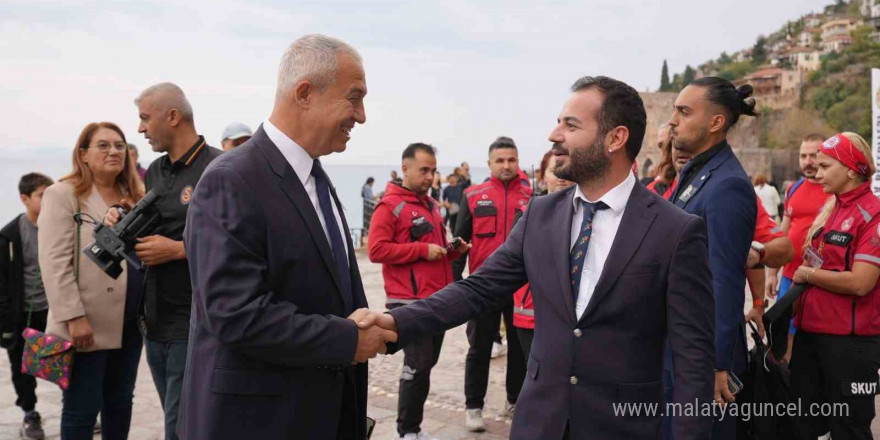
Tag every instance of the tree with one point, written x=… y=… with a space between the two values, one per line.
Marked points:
x=724 y=58
x=689 y=75
x=676 y=83
x=759 y=52
x=664 y=78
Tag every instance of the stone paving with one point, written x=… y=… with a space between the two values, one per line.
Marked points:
x=444 y=411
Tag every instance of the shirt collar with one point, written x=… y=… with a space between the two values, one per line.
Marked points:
x=296 y=156
x=704 y=157
x=188 y=157
x=615 y=199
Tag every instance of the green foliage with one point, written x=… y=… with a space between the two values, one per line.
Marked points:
x=841 y=89
x=734 y=71
x=689 y=75
x=664 y=78
x=759 y=51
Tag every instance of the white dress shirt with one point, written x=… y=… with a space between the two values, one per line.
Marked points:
x=302 y=163
x=605 y=224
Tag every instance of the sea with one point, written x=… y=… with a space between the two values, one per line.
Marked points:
x=56 y=163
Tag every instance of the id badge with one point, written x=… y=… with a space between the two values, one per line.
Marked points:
x=813 y=257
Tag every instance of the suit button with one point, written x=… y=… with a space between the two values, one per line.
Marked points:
x=573 y=380
x=578 y=333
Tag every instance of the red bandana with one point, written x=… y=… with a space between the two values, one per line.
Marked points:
x=840 y=148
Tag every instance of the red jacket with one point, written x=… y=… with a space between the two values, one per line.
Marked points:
x=493 y=206
x=851 y=234
x=402 y=226
x=523 y=309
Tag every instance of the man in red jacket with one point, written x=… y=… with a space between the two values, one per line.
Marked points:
x=408 y=236
x=486 y=217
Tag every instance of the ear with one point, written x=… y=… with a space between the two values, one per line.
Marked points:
x=717 y=123
x=24 y=198
x=302 y=94
x=82 y=155
x=173 y=117
x=615 y=139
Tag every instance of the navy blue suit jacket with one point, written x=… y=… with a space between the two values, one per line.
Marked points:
x=723 y=195
x=270 y=348
x=655 y=284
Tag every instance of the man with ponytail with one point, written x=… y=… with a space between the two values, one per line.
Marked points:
x=714 y=186
x=836 y=352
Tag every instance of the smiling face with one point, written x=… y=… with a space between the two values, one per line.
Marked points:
x=578 y=147
x=106 y=153
x=333 y=113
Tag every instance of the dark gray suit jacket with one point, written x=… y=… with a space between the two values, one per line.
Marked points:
x=655 y=284
x=270 y=347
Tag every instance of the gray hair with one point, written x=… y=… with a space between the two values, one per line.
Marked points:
x=167 y=96
x=312 y=58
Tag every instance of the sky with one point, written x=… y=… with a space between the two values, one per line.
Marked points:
x=454 y=74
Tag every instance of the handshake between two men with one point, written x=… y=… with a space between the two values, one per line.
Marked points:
x=375 y=330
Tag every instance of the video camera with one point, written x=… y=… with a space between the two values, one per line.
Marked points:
x=114 y=243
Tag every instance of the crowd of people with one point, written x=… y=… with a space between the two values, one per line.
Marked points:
x=251 y=305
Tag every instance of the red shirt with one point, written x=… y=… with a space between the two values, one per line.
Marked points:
x=802 y=208
x=851 y=235
x=766 y=228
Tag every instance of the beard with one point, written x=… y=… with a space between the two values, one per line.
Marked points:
x=690 y=145
x=585 y=165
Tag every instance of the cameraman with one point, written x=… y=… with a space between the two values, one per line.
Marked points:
x=166 y=120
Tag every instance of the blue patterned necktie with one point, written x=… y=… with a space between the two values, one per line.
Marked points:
x=322 y=185
x=579 y=251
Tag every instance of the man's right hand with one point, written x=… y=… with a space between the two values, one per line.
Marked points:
x=435 y=252
x=80 y=332
x=371 y=338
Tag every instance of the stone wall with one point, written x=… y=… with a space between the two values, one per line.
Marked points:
x=745 y=138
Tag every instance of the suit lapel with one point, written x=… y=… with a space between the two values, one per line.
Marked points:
x=637 y=219
x=293 y=188
x=560 y=244
x=688 y=194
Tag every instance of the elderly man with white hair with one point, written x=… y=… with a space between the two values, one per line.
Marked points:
x=166 y=120
x=275 y=351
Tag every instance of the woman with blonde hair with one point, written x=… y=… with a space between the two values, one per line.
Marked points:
x=86 y=306
x=836 y=352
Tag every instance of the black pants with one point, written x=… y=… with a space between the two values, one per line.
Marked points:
x=419 y=357
x=481 y=333
x=830 y=369
x=525 y=336
x=25 y=385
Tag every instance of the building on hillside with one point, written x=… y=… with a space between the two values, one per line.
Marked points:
x=835 y=43
x=805 y=59
x=780 y=46
x=841 y=26
x=771 y=81
x=743 y=55
x=806 y=37
x=813 y=20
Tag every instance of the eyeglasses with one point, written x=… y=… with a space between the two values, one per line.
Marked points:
x=105 y=147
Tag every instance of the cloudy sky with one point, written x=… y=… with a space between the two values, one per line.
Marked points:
x=454 y=74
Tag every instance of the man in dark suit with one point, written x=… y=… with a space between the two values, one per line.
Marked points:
x=614 y=270
x=714 y=186
x=271 y=353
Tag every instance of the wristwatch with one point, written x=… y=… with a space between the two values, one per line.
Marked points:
x=759 y=247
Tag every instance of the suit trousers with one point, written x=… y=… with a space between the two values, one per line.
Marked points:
x=25 y=385
x=481 y=333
